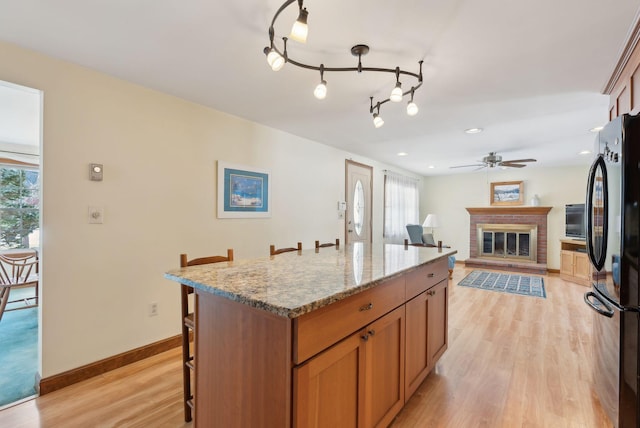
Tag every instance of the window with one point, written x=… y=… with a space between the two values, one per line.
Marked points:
x=401 y=206
x=19 y=207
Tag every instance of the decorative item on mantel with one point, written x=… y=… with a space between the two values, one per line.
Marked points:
x=535 y=201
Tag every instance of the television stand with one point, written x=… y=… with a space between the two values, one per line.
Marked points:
x=574 y=261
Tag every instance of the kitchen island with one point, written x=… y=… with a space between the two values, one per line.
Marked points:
x=330 y=337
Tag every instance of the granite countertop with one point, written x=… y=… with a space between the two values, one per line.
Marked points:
x=292 y=284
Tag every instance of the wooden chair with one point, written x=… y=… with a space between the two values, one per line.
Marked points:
x=273 y=251
x=18 y=272
x=189 y=324
x=328 y=244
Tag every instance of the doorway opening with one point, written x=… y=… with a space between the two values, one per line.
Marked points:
x=20 y=225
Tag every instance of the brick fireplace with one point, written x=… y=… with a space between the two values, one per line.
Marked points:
x=511 y=220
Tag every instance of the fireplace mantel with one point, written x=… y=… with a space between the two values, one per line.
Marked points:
x=509 y=210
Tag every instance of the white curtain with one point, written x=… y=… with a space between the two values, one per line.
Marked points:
x=401 y=206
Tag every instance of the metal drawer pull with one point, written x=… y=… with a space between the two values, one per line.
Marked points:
x=372 y=332
x=365 y=337
x=431 y=275
x=366 y=307
x=431 y=293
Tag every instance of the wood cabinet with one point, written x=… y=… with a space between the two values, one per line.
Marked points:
x=574 y=262
x=427 y=334
x=623 y=88
x=359 y=382
x=365 y=379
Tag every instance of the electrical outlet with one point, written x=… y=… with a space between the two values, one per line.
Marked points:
x=153 y=309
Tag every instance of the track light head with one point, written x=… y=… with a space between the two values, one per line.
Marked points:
x=274 y=59
x=396 y=94
x=321 y=90
x=377 y=120
x=300 y=29
x=412 y=108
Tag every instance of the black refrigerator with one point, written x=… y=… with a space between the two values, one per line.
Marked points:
x=612 y=235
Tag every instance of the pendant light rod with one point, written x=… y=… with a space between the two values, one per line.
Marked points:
x=357 y=50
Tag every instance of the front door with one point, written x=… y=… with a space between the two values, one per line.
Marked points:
x=359 y=188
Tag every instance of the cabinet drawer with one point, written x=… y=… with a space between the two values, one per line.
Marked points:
x=317 y=330
x=426 y=276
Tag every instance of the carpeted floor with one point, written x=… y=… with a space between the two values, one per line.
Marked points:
x=18 y=354
x=508 y=283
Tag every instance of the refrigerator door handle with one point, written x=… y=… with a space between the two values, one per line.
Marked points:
x=597 y=213
x=607 y=311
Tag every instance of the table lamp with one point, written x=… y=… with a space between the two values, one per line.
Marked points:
x=432 y=222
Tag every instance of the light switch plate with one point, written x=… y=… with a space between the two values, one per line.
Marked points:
x=96 y=215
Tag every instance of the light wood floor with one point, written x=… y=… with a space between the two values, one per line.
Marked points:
x=512 y=361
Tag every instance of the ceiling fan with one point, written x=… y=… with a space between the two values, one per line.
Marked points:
x=492 y=160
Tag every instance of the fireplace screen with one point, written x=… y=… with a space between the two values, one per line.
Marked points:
x=507 y=241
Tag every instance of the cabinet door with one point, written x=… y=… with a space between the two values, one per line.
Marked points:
x=438 y=313
x=384 y=381
x=327 y=387
x=566 y=262
x=582 y=266
x=417 y=352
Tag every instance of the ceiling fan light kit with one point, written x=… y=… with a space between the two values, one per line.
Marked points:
x=278 y=57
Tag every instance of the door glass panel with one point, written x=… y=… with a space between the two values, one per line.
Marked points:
x=358 y=208
x=487 y=242
x=524 y=245
x=498 y=245
x=512 y=244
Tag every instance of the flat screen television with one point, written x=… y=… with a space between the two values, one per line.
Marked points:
x=575 y=226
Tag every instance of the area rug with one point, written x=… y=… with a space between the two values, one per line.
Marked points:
x=508 y=283
x=18 y=355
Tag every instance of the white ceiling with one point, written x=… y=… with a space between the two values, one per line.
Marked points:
x=530 y=73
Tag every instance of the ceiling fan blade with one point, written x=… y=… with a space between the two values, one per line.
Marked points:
x=465 y=166
x=512 y=165
x=518 y=160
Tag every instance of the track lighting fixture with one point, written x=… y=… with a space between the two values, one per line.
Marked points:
x=300 y=30
x=396 y=94
x=321 y=90
x=377 y=120
x=412 y=108
x=277 y=58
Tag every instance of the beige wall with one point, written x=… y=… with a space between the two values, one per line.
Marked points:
x=159 y=191
x=451 y=194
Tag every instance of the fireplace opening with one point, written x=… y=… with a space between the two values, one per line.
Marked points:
x=508 y=241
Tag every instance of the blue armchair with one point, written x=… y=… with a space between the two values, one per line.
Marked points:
x=426 y=239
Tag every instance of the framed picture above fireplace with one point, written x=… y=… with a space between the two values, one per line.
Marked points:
x=507 y=193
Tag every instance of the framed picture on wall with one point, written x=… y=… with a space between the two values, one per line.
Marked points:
x=243 y=191
x=507 y=193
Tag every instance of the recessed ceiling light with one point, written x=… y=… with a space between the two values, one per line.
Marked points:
x=473 y=130
x=431 y=166
x=403 y=154
x=585 y=152
x=596 y=129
